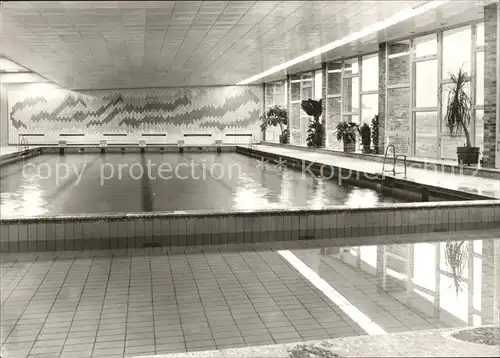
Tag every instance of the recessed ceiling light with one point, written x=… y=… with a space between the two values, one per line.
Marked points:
x=381 y=25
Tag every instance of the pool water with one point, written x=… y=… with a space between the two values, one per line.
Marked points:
x=51 y=184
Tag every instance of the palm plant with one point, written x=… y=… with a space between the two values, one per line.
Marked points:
x=276 y=116
x=366 y=139
x=316 y=130
x=459 y=113
x=347 y=133
x=374 y=125
x=456 y=253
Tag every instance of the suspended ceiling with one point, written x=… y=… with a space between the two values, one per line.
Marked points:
x=133 y=44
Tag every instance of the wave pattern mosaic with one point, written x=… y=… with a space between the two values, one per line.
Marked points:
x=169 y=111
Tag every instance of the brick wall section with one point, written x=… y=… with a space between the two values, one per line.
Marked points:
x=399 y=67
x=490 y=58
x=381 y=96
x=398 y=123
x=397 y=130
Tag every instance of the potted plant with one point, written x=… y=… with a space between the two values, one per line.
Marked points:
x=374 y=126
x=458 y=114
x=276 y=116
x=316 y=130
x=347 y=133
x=366 y=138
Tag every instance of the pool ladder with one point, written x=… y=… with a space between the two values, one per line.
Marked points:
x=394 y=160
x=22 y=143
x=252 y=143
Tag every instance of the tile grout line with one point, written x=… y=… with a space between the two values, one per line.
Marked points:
x=198 y=290
x=246 y=294
x=222 y=292
x=263 y=285
x=176 y=301
x=78 y=303
x=352 y=311
x=53 y=302
x=103 y=301
x=152 y=301
x=34 y=293
x=20 y=279
x=287 y=286
x=129 y=255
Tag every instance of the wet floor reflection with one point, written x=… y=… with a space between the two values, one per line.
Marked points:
x=415 y=286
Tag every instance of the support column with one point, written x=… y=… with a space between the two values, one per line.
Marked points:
x=263 y=132
x=382 y=66
x=490 y=85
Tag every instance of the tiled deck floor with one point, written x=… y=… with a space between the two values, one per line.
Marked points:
x=484 y=186
x=91 y=304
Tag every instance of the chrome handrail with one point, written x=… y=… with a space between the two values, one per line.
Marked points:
x=22 y=143
x=394 y=160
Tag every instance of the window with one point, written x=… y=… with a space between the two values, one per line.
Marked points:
x=426 y=83
x=480 y=34
x=457 y=50
x=425 y=45
x=426 y=134
x=334 y=78
x=479 y=78
x=351 y=94
x=351 y=67
x=318 y=85
x=369 y=107
x=369 y=73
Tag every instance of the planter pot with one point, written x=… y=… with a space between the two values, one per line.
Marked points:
x=468 y=155
x=284 y=138
x=349 y=147
x=366 y=149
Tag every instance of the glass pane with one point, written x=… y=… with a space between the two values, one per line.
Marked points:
x=449 y=146
x=480 y=34
x=480 y=129
x=332 y=112
x=334 y=78
x=456 y=50
x=351 y=66
x=295 y=115
x=269 y=94
x=279 y=98
x=351 y=94
x=425 y=45
x=399 y=59
x=295 y=91
x=279 y=87
x=426 y=73
x=369 y=107
x=318 y=85
x=480 y=78
x=307 y=89
x=426 y=134
x=307 y=75
x=369 y=75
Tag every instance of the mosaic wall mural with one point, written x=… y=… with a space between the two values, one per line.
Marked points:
x=174 y=112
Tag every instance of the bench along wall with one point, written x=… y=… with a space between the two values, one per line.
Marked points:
x=200 y=115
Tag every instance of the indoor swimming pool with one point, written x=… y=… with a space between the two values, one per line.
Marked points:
x=52 y=184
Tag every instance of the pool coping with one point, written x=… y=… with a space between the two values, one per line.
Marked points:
x=423 y=163
x=259 y=212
